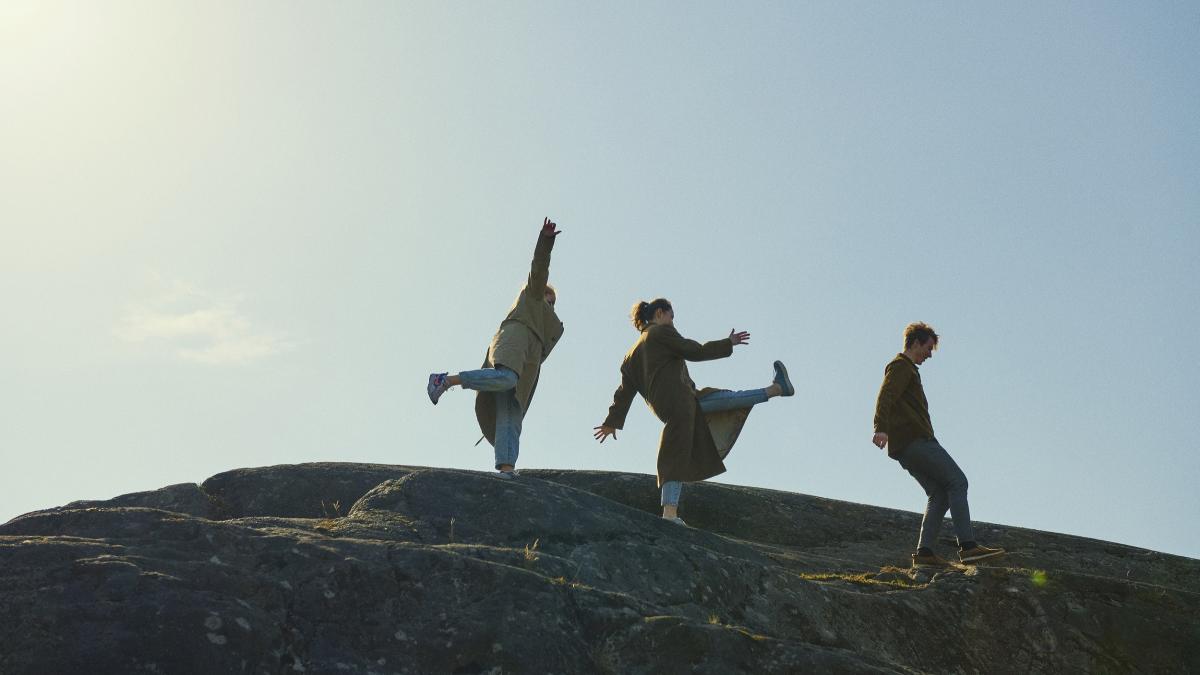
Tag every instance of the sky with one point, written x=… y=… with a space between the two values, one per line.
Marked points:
x=243 y=234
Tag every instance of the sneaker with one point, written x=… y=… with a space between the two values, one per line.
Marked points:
x=977 y=553
x=437 y=386
x=782 y=379
x=677 y=520
x=508 y=475
x=930 y=560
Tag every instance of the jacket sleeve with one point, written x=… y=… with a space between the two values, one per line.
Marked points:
x=690 y=350
x=539 y=272
x=896 y=378
x=622 y=398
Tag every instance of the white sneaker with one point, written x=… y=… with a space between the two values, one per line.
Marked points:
x=508 y=475
x=437 y=386
x=677 y=520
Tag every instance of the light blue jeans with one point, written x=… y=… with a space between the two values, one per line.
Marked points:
x=501 y=384
x=715 y=402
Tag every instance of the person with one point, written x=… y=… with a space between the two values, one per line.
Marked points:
x=902 y=425
x=509 y=376
x=701 y=426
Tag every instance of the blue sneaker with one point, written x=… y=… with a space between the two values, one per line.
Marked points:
x=782 y=379
x=437 y=386
x=507 y=475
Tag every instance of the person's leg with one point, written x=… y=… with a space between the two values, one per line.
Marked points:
x=731 y=400
x=936 y=505
x=508 y=430
x=720 y=401
x=485 y=379
x=937 y=472
x=671 y=490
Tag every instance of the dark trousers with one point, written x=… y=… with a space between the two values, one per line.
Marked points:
x=946 y=486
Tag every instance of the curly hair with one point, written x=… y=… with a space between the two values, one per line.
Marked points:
x=919 y=333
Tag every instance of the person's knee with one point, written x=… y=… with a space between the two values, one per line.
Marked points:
x=507 y=375
x=957 y=484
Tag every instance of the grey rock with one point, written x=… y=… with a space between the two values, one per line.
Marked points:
x=346 y=568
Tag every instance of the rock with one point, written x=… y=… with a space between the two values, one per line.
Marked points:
x=317 y=490
x=186 y=498
x=439 y=571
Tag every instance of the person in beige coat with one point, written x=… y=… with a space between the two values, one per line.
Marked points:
x=509 y=376
x=701 y=426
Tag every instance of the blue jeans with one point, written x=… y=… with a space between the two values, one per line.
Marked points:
x=946 y=486
x=719 y=401
x=715 y=402
x=501 y=384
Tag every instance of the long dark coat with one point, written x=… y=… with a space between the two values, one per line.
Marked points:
x=524 y=340
x=692 y=444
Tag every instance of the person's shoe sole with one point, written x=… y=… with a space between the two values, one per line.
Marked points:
x=983 y=556
x=782 y=379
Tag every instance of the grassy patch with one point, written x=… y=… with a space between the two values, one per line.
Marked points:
x=895 y=578
x=532 y=551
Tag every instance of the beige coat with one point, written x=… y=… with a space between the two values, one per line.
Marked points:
x=692 y=444
x=524 y=340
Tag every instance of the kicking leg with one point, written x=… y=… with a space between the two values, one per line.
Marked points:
x=718 y=401
x=732 y=400
x=499 y=378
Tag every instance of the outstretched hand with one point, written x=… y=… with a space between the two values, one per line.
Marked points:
x=739 y=337
x=548 y=228
x=602 y=432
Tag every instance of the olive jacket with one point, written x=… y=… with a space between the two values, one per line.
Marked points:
x=901 y=410
x=692 y=444
x=524 y=340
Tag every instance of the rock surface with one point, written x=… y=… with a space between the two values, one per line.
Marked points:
x=355 y=568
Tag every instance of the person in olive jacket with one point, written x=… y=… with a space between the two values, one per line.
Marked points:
x=902 y=425
x=701 y=426
x=509 y=376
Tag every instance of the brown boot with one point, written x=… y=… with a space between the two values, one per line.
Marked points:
x=978 y=553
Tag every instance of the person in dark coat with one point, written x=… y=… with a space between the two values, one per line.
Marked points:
x=902 y=425
x=510 y=372
x=701 y=426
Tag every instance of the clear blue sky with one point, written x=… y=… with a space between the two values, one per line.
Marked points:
x=238 y=234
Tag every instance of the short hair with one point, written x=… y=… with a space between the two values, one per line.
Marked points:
x=643 y=312
x=919 y=333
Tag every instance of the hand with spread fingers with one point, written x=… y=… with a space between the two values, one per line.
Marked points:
x=602 y=432
x=739 y=337
x=548 y=228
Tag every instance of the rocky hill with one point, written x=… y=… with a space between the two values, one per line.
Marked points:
x=353 y=568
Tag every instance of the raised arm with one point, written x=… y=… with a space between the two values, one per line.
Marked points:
x=622 y=398
x=896 y=378
x=539 y=272
x=690 y=350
